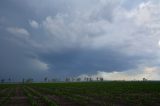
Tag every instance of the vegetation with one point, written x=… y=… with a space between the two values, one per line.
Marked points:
x=5 y=93
x=30 y=97
x=140 y=93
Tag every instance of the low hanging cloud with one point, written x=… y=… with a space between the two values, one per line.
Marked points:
x=101 y=34
x=16 y=62
x=149 y=73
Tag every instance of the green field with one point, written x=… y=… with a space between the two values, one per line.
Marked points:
x=114 y=93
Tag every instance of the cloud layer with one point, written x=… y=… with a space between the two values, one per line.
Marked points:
x=72 y=38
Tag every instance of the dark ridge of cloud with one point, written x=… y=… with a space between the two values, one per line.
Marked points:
x=75 y=62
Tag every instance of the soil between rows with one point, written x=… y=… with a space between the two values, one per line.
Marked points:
x=20 y=99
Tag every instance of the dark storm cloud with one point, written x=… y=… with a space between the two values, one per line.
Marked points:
x=69 y=38
x=15 y=13
x=14 y=60
x=75 y=62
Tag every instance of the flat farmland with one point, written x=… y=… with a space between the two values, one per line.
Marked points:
x=112 y=93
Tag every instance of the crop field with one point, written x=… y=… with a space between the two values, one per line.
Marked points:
x=114 y=93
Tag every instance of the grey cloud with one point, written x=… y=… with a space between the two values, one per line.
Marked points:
x=75 y=62
x=15 y=62
x=18 y=31
x=34 y=24
x=75 y=37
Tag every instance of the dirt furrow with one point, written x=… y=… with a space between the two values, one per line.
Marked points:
x=61 y=101
x=19 y=99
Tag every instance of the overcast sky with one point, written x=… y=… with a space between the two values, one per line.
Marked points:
x=113 y=39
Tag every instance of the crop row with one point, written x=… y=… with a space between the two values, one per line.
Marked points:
x=6 y=95
x=32 y=94
x=77 y=98
x=107 y=93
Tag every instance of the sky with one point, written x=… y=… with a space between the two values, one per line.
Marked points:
x=113 y=39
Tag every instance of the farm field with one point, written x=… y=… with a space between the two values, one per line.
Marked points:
x=113 y=93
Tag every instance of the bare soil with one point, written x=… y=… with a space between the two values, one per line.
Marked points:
x=19 y=99
x=61 y=101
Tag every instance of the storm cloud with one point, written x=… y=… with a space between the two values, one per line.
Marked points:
x=73 y=38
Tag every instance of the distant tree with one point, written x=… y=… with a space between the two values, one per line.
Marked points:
x=23 y=80
x=144 y=79
x=2 y=80
x=87 y=79
x=54 y=80
x=73 y=79
x=9 y=80
x=78 y=79
x=30 y=80
x=97 y=78
x=45 y=79
x=67 y=79
x=101 y=79
x=90 y=79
